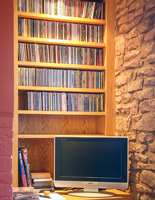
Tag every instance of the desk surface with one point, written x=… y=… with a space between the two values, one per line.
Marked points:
x=118 y=195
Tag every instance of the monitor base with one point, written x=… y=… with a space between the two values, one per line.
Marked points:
x=92 y=194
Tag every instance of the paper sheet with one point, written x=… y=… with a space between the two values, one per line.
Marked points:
x=53 y=195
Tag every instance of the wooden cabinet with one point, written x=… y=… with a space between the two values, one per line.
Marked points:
x=79 y=100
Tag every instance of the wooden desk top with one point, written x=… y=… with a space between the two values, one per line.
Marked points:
x=118 y=195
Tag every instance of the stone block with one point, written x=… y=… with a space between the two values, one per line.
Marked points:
x=140 y=148
x=126 y=98
x=146 y=123
x=135 y=85
x=143 y=166
x=145 y=137
x=135 y=42
x=144 y=94
x=119 y=62
x=150 y=13
x=147 y=106
x=124 y=78
x=147 y=49
x=133 y=165
x=148 y=71
x=150 y=59
x=127 y=18
x=147 y=190
x=149 y=81
x=134 y=176
x=120 y=49
x=150 y=35
x=145 y=197
x=120 y=6
x=132 y=64
x=130 y=55
x=133 y=33
x=139 y=188
x=139 y=157
x=145 y=25
x=139 y=11
x=121 y=13
x=136 y=118
x=118 y=100
x=132 y=147
x=152 y=158
x=130 y=108
x=136 y=5
x=117 y=72
x=131 y=135
x=125 y=28
x=150 y=4
x=122 y=123
x=148 y=178
x=152 y=147
x=129 y=2
x=137 y=21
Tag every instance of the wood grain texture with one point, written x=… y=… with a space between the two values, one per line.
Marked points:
x=40 y=153
x=49 y=124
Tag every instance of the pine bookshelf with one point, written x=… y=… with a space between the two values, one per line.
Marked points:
x=35 y=129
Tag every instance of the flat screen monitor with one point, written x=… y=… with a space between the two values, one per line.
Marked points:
x=91 y=163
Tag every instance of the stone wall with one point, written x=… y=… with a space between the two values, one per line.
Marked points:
x=135 y=90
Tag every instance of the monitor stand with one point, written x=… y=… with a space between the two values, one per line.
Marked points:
x=92 y=193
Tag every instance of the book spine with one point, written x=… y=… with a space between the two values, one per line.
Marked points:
x=22 y=169
x=27 y=166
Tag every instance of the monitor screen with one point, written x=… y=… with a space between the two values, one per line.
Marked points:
x=91 y=162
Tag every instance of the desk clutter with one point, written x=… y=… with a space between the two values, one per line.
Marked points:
x=29 y=193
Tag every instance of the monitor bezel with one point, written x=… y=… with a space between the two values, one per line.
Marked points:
x=91 y=184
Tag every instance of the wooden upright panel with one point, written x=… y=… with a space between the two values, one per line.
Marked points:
x=110 y=72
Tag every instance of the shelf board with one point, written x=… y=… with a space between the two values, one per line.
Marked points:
x=26 y=136
x=60 y=65
x=34 y=136
x=60 y=42
x=34 y=112
x=61 y=18
x=60 y=89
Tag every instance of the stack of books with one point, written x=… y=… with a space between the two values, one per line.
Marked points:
x=42 y=180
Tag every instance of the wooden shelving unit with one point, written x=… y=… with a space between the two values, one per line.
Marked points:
x=35 y=129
